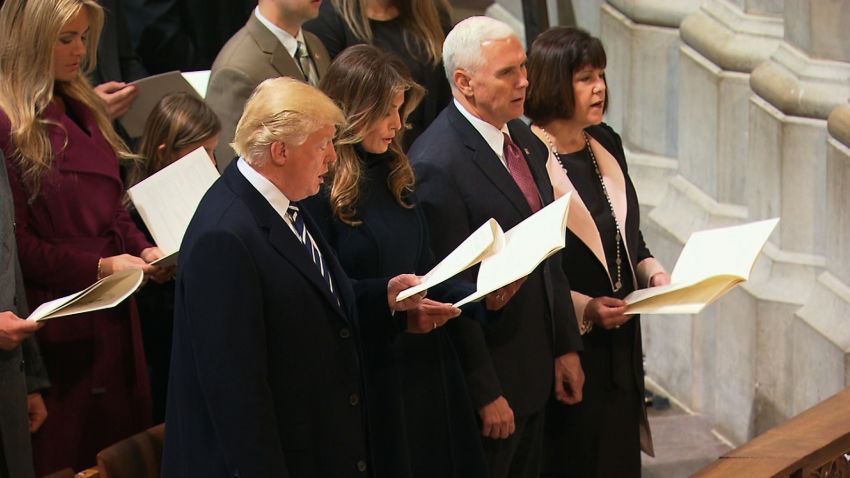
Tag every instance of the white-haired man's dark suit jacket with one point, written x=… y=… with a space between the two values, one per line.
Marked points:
x=461 y=183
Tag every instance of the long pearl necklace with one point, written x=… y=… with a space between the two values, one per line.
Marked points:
x=617 y=237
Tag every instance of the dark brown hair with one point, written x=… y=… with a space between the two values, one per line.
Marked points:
x=363 y=80
x=178 y=120
x=554 y=57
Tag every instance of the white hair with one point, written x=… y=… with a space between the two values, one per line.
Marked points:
x=462 y=47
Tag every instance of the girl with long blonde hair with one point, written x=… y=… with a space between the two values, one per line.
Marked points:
x=418 y=404
x=72 y=229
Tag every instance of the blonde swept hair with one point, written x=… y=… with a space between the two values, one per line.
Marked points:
x=420 y=21
x=282 y=109
x=363 y=81
x=177 y=121
x=30 y=30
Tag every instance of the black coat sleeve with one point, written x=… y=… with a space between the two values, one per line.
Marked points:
x=442 y=204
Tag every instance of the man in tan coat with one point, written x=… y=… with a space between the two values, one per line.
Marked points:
x=271 y=44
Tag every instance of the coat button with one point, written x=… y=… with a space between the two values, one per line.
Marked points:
x=361 y=466
x=354 y=399
x=23 y=364
x=344 y=333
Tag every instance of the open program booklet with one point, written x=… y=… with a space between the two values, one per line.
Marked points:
x=710 y=265
x=504 y=256
x=103 y=294
x=167 y=200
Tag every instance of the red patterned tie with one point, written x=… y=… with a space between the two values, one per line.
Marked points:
x=521 y=173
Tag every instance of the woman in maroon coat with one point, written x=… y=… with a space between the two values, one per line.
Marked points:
x=71 y=227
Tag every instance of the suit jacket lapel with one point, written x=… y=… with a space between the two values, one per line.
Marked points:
x=68 y=136
x=615 y=181
x=317 y=53
x=279 y=58
x=615 y=184
x=489 y=163
x=280 y=236
x=579 y=221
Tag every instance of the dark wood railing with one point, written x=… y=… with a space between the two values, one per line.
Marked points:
x=813 y=444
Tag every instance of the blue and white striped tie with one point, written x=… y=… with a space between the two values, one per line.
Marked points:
x=308 y=242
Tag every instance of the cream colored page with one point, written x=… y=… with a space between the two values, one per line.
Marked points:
x=167 y=260
x=682 y=298
x=485 y=241
x=711 y=263
x=104 y=294
x=51 y=306
x=168 y=199
x=526 y=245
x=199 y=80
x=724 y=251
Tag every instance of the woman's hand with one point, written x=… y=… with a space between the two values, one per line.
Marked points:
x=118 y=97
x=156 y=273
x=500 y=297
x=112 y=264
x=398 y=284
x=429 y=315
x=606 y=312
x=659 y=278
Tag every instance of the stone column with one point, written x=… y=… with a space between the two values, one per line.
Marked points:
x=803 y=169
x=510 y=12
x=795 y=91
x=821 y=338
x=778 y=344
x=642 y=41
x=721 y=43
x=587 y=15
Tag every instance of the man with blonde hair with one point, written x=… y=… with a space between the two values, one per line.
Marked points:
x=266 y=369
x=477 y=160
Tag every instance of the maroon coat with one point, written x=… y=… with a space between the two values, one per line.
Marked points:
x=95 y=361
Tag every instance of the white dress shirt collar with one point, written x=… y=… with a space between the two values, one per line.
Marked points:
x=278 y=201
x=493 y=136
x=288 y=41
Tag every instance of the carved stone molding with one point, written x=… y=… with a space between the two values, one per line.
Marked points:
x=663 y=13
x=730 y=38
x=838 y=124
x=798 y=85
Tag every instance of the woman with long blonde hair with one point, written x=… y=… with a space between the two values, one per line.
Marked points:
x=418 y=404
x=72 y=229
x=412 y=29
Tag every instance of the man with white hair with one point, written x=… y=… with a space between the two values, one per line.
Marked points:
x=266 y=368
x=477 y=161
